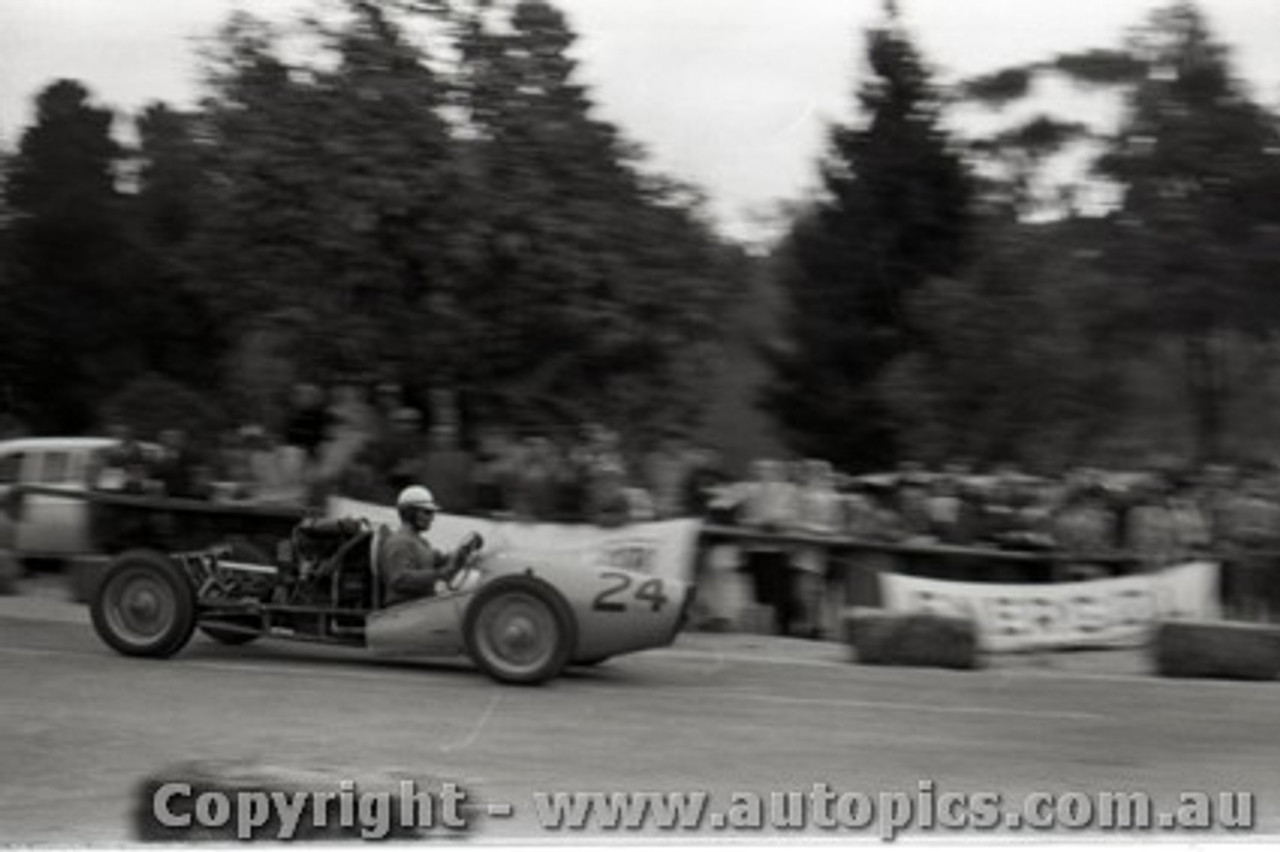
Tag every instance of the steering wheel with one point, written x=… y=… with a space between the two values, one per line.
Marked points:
x=457 y=577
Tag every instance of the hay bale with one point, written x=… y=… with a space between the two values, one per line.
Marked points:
x=880 y=637
x=935 y=640
x=1231 y=650
x=867 y=632
x=356 y=806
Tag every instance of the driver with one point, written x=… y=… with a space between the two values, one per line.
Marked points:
x=411 y=566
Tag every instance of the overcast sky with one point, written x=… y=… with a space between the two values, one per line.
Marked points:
x=733 y=95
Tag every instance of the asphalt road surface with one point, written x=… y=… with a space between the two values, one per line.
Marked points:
x=82 y=726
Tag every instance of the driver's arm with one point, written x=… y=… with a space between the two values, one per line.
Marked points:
x=408 y=573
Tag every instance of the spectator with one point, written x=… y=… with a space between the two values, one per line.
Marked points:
x=231 y=474
x=306 y=429
x=704 y=483
x=176 y=469
x=665 y=469
x=1191 y=523
x=448 y=468
x=309 y=420
x=870 y=511
x=705 y=494
x=640 y=503
x=494 y=472
x=1149 y=528
x=869 y=516
x=603 y=447
x=608 y=503
x=268 y=481
x=818 y=513
x=535 y=494
x=124 y=466
x=769 y=506
x=945 y=510
x=572 y=480
x=607 y=483
x=1083 y=526
x=1251 y=528
x=362 y=480
x=912 y=494
x=351 y=424
x=1218 y=485
x=404 y=450
x=388 y=398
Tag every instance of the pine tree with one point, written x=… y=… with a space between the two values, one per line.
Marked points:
x=894 y=214
x=598 y=286
x=68 y=263
x=331 y=229
x=1195 y=157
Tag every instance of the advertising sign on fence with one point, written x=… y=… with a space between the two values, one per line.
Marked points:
x=660 y=548
x=1093 y=613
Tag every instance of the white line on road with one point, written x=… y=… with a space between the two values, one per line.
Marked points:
x=478 y=727
x=275 y=670
x=341 y=668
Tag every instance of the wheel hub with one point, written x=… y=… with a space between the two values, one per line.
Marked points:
x=520 y=636
x=518 y=632
x=140 y=608
x=143 y=606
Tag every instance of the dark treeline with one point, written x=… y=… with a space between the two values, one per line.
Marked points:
x=950 y=302
x=430 y=199
x=459 y=222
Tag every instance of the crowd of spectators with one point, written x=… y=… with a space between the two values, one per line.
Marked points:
x=1091 y=522
x=346 y=443
x=369 y=446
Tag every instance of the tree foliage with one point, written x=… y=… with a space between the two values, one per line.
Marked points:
x=330 y=194
x=1077 y=310
x=1198 y=162
x=441 y=209
x=66 y=263
x=599 y=284
x=895 y=214
x=1022 y=365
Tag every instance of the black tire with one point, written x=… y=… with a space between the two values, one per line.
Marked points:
x=520 y=631
x=145 y=606
x=227 y=636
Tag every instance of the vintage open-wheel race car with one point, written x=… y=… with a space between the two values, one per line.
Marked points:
x=521 y=617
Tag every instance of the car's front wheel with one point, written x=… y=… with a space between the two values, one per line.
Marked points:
x=145 y=606
x=519 y=631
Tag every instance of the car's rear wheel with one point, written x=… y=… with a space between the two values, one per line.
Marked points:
x=519 y=631
x=145 y=606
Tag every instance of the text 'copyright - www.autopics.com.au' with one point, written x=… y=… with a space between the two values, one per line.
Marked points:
x=410 y=808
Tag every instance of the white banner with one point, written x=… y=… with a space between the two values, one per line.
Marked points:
x=661 y=548
x=1093 y=613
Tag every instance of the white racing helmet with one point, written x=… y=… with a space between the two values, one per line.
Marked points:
x=417 y=497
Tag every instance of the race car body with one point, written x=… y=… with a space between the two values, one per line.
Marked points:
x=522 y=617
x=612 y=611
